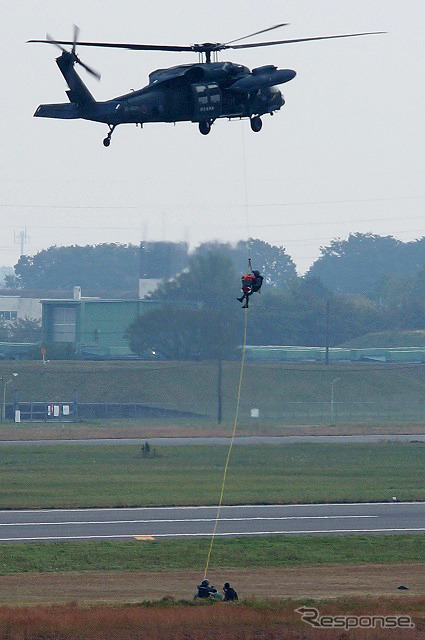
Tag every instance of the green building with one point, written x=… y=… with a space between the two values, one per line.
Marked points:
x=93 y=327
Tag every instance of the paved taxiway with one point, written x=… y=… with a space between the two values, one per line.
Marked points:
x=193 y=522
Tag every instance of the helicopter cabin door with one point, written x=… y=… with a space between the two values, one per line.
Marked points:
x=207 y=101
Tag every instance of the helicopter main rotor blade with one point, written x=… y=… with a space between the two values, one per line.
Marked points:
x=118 y=45
x=257 y=33
x=51 y=40
x=199 y=48
x=269 y=44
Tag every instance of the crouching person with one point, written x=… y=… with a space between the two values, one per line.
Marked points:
x=230 y=594
x=205 y=590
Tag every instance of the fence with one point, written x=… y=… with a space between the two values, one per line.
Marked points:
x=74 y=412
x=346 y=412
x=286 y=413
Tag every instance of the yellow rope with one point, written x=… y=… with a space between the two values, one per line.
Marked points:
x=230 y=446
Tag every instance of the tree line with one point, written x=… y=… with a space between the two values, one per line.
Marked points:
x=213 y=327
x=363 y=264
x=117 y=267
x=371 y=283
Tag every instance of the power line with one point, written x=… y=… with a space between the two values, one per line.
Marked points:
x=336 y=222
x=305 y=203
x=62 y=206
x=283 y=224
x=348 y=201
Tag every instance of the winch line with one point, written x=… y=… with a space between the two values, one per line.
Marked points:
x=242 y=368
x=246 y=205
x=229 y=452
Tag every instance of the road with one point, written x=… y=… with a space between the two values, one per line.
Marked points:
x=194 y=522
x=239 y=440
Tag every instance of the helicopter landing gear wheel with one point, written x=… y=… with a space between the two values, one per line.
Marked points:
x=107 y=140
x=205 y=127
x=256 y=124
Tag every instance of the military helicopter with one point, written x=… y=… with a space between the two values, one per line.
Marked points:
x=198 y=92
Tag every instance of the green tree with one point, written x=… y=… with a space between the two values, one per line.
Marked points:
x=26 y=330
x=355 y=265
x=298 y=316
x=21 y=330
x=210 y=279
x=103 y=267
x=201 y=319
x=179 y=333
x=272 y=261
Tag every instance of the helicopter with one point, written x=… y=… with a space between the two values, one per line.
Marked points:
x=199 y=92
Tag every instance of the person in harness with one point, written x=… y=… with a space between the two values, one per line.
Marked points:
x=205 y=589
x=251 y=283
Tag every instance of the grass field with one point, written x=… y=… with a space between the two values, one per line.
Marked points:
x=104 y=476
x=170 y=555
x=191 y=387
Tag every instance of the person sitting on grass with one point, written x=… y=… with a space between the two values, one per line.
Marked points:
x=230 y=594
x=205 y=589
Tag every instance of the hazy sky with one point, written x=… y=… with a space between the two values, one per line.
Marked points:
x=346 y=153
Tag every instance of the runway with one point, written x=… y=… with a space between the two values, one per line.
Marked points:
x=198 y=522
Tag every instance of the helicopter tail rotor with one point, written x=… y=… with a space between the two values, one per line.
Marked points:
x=72 y=53
x=75 y=39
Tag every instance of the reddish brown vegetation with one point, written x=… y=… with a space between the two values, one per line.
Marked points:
x=130 y=429
x=276 y=621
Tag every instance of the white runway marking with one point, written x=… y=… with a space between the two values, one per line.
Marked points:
x=261 y=533
x=82 y=522
x=225 y=506
x=207 y=535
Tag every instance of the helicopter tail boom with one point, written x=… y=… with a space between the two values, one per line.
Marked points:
x=78 y=92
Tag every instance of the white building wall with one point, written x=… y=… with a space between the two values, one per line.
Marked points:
x=15 y=307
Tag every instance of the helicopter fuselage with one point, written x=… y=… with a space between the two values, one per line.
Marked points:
x=199 y=92
x=193 y=92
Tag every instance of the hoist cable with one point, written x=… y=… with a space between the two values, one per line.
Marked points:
x=229 y=452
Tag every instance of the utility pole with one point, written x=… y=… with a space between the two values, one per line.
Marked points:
x=4 y=383
x=22 y=239
x=332 y=401
x=327 y=332
x=219 y=390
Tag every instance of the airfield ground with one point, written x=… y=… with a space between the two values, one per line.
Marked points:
x=154 y=605
x=308 y=569
x=317 y=583
x=36 y=476
x=113 y=476
x=237 y=554
x=285 y=393
x=190 y=428
x=252 y=620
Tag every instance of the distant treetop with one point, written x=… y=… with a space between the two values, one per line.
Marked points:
x=356 y=265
